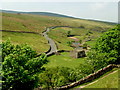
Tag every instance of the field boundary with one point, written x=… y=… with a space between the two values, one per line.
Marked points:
x=20 y=31
x=98 y=80
x=59 y=51
x=90 y=77
x=45 y=31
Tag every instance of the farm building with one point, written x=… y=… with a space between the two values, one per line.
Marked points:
x=78 y=53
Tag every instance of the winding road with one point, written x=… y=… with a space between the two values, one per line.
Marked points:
x=53 y=48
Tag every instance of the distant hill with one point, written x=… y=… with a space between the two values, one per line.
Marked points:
x=54 y=15
x=38 y=13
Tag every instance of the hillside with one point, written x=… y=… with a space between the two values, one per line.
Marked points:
x=51 y=14
x=38 y=13
x=59 y=38
x=38 y=23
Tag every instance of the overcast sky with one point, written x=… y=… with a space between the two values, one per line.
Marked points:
x=106 y=10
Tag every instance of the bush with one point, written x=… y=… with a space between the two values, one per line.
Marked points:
x=106 y=50
x=20 y=67
x=58 y=76
x=109 y=43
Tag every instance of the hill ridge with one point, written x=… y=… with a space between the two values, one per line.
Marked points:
x=53 y=14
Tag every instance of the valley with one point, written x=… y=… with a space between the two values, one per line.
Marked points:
x=52 y=39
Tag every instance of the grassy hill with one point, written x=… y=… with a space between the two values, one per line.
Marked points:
x=38 y=13
x=37 y=42
x=79 y=28
x=86 y=35
x=38 y=23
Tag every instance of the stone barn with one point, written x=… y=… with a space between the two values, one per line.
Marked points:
x=77 y=53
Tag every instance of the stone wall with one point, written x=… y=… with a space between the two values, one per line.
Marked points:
x=90 y=77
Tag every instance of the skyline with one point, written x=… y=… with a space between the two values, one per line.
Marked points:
x=104 y=11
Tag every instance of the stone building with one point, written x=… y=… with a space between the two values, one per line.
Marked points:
x=77 y=53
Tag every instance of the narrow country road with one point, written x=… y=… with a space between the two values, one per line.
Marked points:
x=52 y=44
x=53 y=47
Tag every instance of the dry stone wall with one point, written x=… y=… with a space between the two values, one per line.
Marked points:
x=90 y=77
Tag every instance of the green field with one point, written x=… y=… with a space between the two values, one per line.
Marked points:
x=38 y=23
x=60 y=36
x=64 y=60
x=81 y=29
x=37 y=42
x=110 y=81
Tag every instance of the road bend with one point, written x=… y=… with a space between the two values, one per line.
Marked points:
x=51 y=42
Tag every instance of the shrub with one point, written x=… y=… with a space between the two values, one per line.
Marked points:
x=20 y=67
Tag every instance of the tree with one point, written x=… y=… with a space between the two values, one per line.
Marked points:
x=109 y=43
x=85 y=46
x=96 y=60
x=68 y=33
x=80 y=41
x=106 y=50
x=20 y=67
x=57 y=76
x=49 y=78
x=69 y=43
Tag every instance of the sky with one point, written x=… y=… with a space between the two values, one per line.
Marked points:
x=105 y=10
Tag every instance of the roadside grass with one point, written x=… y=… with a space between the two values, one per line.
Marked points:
x=37 y=42
x=64 y=60
x=61 y=39
x=101 y=82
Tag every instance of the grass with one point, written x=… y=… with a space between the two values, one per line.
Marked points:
x=60 y=36
x=64 y=60
x=38 y=23
x=102 y=82
x=26 y=22
x=37 y=42
x=111 y=81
